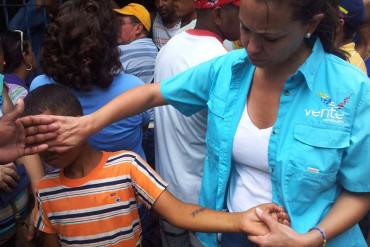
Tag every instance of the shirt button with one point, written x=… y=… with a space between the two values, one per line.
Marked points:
x=286 y=93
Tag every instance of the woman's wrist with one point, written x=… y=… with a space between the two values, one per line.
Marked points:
x=312 y=238
x=89 y=124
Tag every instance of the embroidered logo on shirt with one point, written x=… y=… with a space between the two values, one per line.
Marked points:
x=333 y=111
x=327 y=100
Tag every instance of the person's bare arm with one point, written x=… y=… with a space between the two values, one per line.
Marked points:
x=73 y=130
x=196 y=218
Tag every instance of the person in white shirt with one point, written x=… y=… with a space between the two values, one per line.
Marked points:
x=179 y=140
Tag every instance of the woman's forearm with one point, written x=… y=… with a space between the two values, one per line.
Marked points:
x=347 y=211
x=132 y=102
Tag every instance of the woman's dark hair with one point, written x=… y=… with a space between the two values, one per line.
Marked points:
x=80 y=48
x=11 y=43
x=304 y=10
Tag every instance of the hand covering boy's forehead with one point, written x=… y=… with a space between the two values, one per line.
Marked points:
x=210 y=4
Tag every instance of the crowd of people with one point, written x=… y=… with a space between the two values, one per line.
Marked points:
x=235 y=123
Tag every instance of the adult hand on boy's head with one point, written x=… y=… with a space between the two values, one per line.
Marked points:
x=59 y=133
x=8 y=177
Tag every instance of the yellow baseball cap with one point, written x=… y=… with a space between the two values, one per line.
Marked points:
x=137 y=10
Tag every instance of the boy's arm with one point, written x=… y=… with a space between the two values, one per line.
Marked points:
x=49 y=240
x=196 y=218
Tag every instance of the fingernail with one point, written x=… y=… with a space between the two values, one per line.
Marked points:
x=259 y=211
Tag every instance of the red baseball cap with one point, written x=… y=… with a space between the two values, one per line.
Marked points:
x=210 y=4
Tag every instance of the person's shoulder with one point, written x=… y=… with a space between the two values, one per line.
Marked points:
x=174 y=41
x=123 y=80
x=39 y=81
x=350 y=74
x=230 y=59
x=49 y=181
x=123 y=157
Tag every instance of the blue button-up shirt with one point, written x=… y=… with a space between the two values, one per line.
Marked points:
x=320 y=143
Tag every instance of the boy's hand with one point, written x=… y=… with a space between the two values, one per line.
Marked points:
x=281 y=235
x=252 y=224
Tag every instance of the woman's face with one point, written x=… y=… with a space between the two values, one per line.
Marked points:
x=268 y=32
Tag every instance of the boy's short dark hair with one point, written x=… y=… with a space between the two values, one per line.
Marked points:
x=57 y=99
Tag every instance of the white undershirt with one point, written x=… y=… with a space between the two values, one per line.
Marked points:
x=250 y=182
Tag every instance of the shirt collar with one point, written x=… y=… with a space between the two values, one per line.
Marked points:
x=202 y=32
x=348 y=47
x=309 y=69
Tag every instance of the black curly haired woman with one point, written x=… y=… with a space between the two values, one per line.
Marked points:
x=80 y=52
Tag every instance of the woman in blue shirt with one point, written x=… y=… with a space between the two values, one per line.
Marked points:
x=289 y=78
x=85 y=58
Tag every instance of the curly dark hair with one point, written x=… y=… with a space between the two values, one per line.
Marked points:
x=80 y=48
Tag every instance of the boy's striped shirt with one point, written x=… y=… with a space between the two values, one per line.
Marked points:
x=99 y=209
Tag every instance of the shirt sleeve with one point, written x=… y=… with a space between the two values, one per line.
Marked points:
x=355 y=169
x=147 y=183
x=41 y=219
x=189 y=91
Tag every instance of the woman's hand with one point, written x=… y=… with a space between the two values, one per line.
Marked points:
x=281 y=235
x=8 y=177
x=253 y=225
x=60 y=133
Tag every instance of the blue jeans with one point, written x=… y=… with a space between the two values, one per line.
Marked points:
x=236 y=240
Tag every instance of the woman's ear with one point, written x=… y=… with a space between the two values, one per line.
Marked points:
x=314 y=22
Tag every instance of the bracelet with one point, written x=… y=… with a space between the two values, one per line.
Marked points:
x=322 y=233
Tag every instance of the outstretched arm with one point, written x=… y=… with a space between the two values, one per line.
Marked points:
x=73 y=130
x=197 y=218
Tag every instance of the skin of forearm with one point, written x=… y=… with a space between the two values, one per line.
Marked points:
x=127 y=104
x=341 y=217
x=195 y=218
x=198 y=219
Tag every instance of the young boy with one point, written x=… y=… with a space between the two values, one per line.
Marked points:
x=92 y=201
